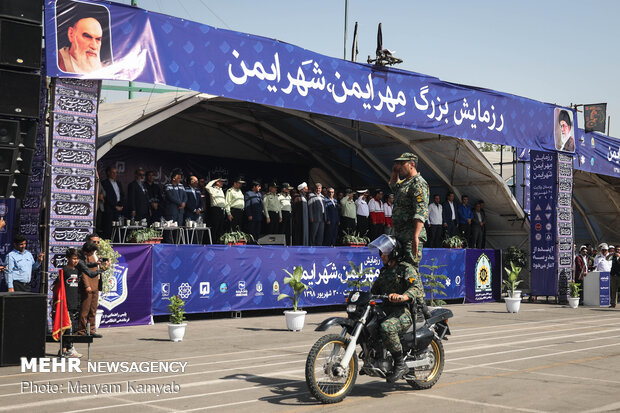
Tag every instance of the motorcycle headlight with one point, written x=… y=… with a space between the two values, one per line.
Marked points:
x=351 y=308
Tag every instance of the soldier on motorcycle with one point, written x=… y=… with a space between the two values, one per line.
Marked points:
x=399 y=280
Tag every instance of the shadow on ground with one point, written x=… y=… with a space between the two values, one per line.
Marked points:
x=290 y=392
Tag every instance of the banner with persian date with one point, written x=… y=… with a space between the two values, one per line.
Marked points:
x=74 y=105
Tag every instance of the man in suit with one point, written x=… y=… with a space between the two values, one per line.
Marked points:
x=316 y=215
x=138 y=197
x=478 y=223
x=193 y=207
x=113 y=201
x=450 y=215
x=155 y=197
x=254 y=210
x=176 y=198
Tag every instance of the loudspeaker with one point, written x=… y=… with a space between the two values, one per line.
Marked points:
x=24 y=160
x=28 y=131
x=272 y=239
x=20 y=185
x=23 y=325
x=9 y=133
x=27 y=10
x=19 y=94
x=6 y=185
x=20 y=45
x=8 y=160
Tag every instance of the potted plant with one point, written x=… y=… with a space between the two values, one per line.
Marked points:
x=236 y=238
x=513 y=301
x=176 y=327
x=145 y=236
x=294 y=319
x=434 y=284
x=455 y=241
x=574 y=290
x=354 y=239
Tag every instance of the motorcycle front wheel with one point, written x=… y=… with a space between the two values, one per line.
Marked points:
x=425 y=379
x=326 y=379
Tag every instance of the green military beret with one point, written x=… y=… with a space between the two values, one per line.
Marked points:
x=407 y=156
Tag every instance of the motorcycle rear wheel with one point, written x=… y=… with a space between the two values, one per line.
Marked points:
x=326 y=381
x=421 y=382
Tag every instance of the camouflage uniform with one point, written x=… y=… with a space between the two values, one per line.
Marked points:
x=400 y=279
x=410 y=204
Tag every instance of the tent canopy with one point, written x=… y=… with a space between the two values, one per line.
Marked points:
x=347 y=153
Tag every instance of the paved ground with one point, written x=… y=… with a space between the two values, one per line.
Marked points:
x=547 y=358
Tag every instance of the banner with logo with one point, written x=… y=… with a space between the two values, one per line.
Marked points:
x=597 y=153
x=604 y=289
x=222 y=278
x=484 y=274
x=565 y=238
x=74 y=104
x=543 y=179
x=137 y=45
x=128 y=300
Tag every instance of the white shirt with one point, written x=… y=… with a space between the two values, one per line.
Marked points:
x=387 y=209
x=598 y=259
x=375 y=206
x=361 y=207
x=452 y=208
x=435 y=214
x=604 y=265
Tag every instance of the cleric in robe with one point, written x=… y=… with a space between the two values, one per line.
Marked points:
x=83 y=37
x=564 y=140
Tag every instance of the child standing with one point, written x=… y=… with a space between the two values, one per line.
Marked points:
x=71 y=279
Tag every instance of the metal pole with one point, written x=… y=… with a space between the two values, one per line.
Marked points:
x=135 y=4
x=346 y=12
x=608 y=124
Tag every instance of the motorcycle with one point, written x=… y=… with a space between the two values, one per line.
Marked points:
x=332 y=364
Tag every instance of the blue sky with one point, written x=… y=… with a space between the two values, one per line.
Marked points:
x=560 y=52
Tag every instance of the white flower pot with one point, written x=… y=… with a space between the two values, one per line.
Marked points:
x=573 y=302
x=513 y=304
x=515 y=294
x=176 y=331
x=98 y=317
x=295 y=320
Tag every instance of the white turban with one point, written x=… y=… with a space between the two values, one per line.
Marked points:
x=302 y=186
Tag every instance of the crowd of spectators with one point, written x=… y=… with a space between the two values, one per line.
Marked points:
x=313 y=216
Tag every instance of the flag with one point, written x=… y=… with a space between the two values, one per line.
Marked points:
x=62 y=321
x=595 y=117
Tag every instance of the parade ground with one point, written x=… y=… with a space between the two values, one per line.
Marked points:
x=546 y=358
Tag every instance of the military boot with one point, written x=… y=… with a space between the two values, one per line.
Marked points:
x=399 y=370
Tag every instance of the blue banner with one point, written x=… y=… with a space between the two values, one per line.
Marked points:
x=597 y=153
x=127 y=298
x=133 y=44
x=543 y=178
x=485 y=273
x=223 y=278
x=604 y=289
